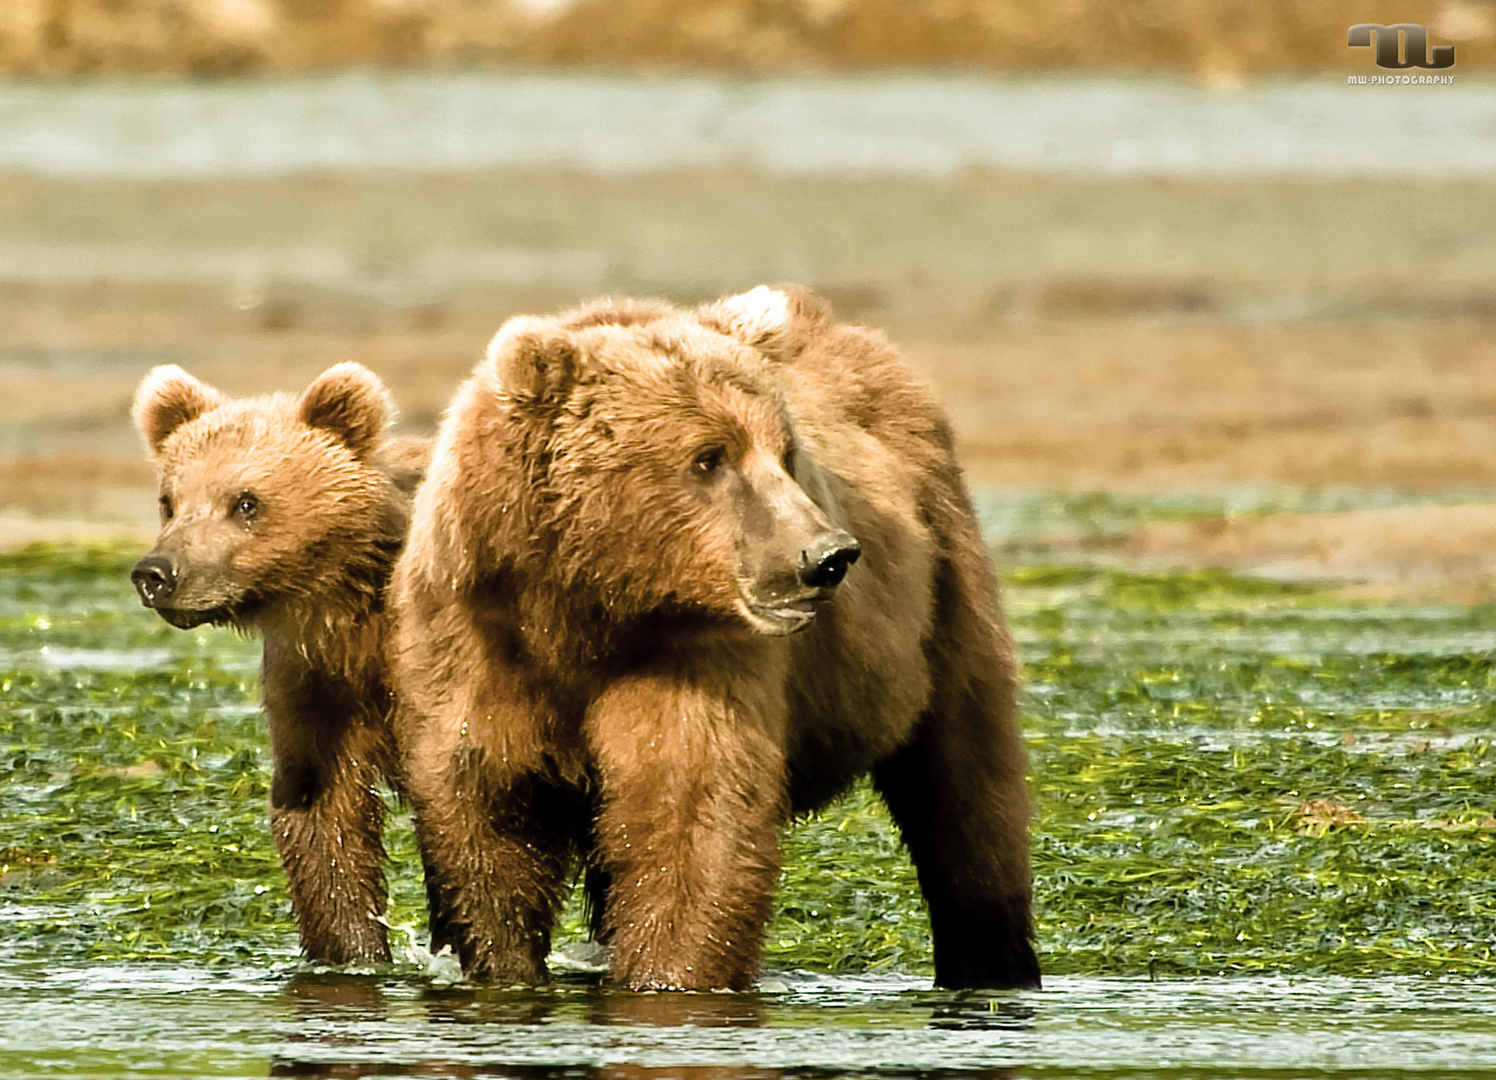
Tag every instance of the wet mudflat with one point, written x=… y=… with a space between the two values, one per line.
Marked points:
x=1264 y=841
x=1115 y=284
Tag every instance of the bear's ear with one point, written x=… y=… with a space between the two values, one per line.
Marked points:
x=166 y=399
x=760 y=318
x=349 y=401
x=536 y=360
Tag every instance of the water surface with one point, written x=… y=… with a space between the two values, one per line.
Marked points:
x=869 y=125
x=171 y=1020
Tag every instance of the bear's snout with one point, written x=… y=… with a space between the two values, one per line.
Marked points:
x=155 y=579
x=824 y=563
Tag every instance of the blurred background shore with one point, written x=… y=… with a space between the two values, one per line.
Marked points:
x=1217 y=40
x=1138 y=247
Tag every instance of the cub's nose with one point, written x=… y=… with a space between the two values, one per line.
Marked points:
x=155 y=580
x=825 y=562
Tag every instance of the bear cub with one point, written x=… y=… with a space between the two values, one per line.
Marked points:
x=674 y=576
x=283 y=516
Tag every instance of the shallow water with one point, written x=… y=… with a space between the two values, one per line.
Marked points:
x=869 y=125
x=168 y=1020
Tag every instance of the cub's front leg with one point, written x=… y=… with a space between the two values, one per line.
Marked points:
x=691 y=768
x=326 y=812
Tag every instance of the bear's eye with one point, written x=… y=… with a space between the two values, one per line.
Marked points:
x=166 y=508
x=246 y=506
x=709 y=460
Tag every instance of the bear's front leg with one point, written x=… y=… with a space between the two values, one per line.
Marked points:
x=693 y=797
x=327 y=814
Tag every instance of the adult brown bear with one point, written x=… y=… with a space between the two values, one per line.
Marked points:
x=622 y=623
x=283 y=516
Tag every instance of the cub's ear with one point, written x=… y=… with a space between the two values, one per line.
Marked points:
x=760 y=318
x=166 y=399
x=536 y=360
x=349 y=401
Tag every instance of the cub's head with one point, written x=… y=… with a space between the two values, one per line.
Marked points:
x=673 y=479
x=264 y=502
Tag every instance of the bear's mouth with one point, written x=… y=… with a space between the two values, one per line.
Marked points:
x=782 y=615
x=187 y=618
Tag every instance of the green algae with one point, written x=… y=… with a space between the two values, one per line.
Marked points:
x=1230 y=776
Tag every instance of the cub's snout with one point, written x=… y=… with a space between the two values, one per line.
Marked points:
x=155 y=579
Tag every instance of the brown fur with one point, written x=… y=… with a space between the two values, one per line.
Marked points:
x=283 y=517
x=596 y=646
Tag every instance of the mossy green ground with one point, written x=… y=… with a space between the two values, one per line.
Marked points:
x=1230 y=776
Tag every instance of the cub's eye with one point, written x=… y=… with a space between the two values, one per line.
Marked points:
x=709 y=460
x=246 y=506
x=789 y=460
x=166 y=508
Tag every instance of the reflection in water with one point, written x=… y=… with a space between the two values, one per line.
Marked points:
x=457 y=1071
x=137 y=1020
x=492 y=1027
x=322 y=1003
x=983 y=1012
x=678 y=1010
x=315 y=994
x=486 y=1005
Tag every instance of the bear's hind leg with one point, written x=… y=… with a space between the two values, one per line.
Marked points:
x=974 y=882
x=958 y=794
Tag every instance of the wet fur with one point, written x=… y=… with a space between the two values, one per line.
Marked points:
x=309 y=577
x=575 y=670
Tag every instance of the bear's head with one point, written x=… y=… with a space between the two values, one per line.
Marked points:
x=664 y=470
x=267 y=504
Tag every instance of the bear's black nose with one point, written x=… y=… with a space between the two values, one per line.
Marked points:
x=825 y=562
x=155 y=580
